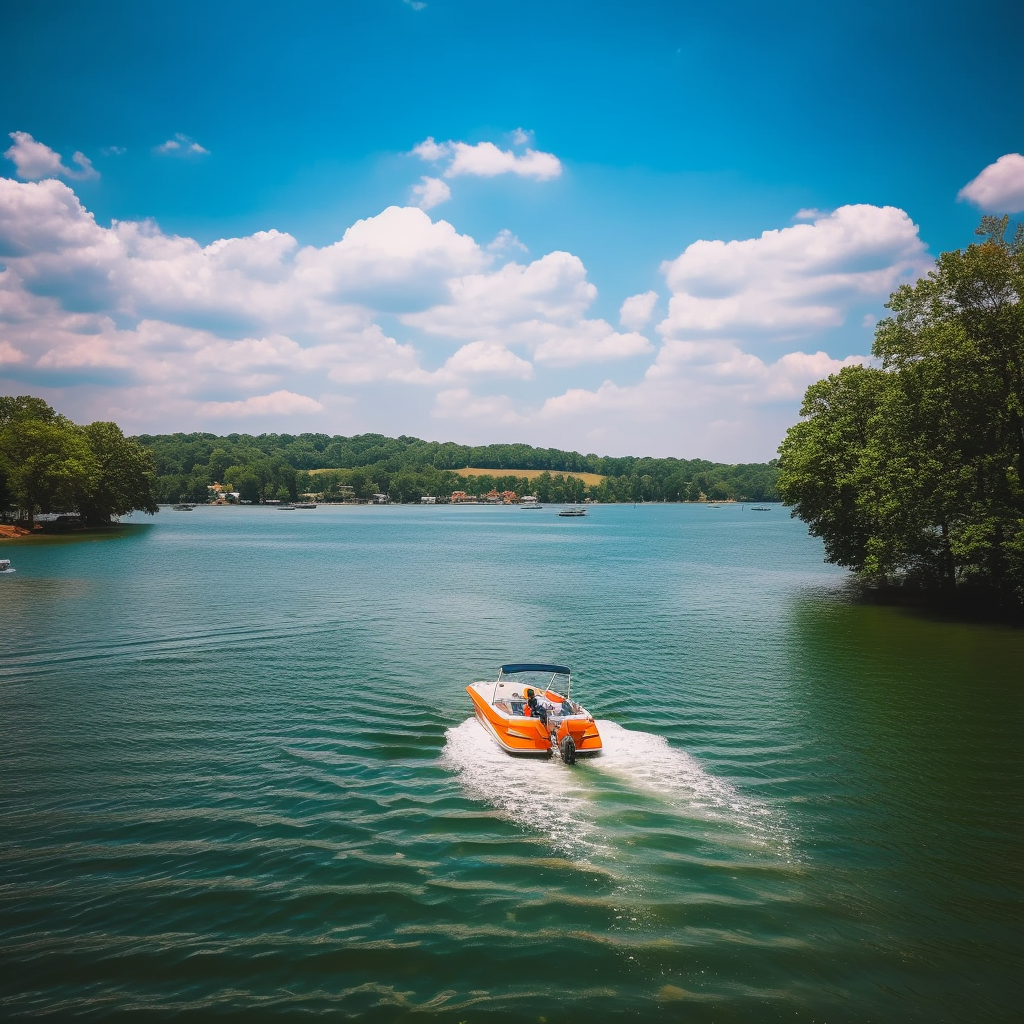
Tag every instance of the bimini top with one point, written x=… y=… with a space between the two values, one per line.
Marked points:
x=560 y=670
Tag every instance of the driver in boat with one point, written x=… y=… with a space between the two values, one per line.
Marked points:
x=535 y=708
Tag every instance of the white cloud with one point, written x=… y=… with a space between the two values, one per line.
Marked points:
x=279 y=403
x=166 y=332
x=1000 y=186
x=809 y=213
x=486 y=160
x=554 y=288
x=636 y=312
x=790 y=282
x=540 y=306
x=505 y=241
x=181 y=145
x=430 y=192
x=461 y=404
x=416 y=5
x=9 y=354
x=487 y=358
x=590 y=341
x=35 y=160
x=521 y=137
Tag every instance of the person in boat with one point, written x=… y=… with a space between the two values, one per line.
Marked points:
x=535 y=708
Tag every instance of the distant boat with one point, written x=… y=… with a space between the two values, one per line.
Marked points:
x=529 y=501
x=5 y=565
x=759 y=508
x=572 y=512
x=305 y=504
x=183 y=507
x=286 y=507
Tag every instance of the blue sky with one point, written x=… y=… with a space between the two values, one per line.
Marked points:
x=659 y=133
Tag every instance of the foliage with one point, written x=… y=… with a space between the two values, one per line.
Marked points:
x=913 y=472
x=48 y=463
x=407 y=468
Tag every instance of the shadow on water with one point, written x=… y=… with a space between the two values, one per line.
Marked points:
x=914 y=796
x=976 y=605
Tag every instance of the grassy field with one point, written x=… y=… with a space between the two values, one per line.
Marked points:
x=588 y=478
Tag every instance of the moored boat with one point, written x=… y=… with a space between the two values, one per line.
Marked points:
x=572 y=512
x=523 y=714
x=5 y=565
x=305 y=504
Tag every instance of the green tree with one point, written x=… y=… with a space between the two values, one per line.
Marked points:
x=48 y=464
x=914 y=472
x=125 y=480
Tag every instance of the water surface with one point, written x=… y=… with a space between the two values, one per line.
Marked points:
x=240 y=776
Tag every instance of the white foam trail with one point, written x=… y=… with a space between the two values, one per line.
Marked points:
x=551 y=798
x=647 y=762
x=543 y=795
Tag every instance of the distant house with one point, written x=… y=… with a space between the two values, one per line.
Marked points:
x=381 y=499
x=428 y=499
x=459 y=496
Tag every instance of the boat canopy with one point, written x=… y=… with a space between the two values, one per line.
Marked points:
x=560 y=670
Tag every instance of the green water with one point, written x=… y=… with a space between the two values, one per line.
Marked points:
x=239 y=776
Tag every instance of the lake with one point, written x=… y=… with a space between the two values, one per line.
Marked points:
x=240 y=777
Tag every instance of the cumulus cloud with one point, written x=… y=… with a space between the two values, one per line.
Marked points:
x=430 y=192
x=278 y=403
x=636 y=312
x=486 y=160
x=790 y=282
x=35 y=160
x=487 y=358
x=1000 y=186
x=181 y=145
x=161 y=330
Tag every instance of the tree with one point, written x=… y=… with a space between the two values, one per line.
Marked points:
x=50 y=464
x=126 y=476
x=913 y=472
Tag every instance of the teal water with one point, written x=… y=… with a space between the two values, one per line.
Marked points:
x=239 y=776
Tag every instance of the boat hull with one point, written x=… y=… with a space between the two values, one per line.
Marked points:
x=527 y=736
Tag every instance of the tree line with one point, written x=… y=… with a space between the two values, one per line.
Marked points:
x=49 y=464
x=912 y=472
x=284 y=466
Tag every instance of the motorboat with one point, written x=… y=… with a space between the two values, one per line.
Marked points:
x=759 y=508
x=524 y=714
x=286 y=507
x=573 y=512
x=305 y=504
x=529 y=501
x=5 y=565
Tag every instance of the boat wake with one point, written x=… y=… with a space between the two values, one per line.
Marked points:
x=568 y=804
x=539 y=794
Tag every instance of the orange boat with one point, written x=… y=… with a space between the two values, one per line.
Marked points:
x=524 y=714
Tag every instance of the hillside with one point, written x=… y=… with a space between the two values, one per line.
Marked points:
x=284 y=465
